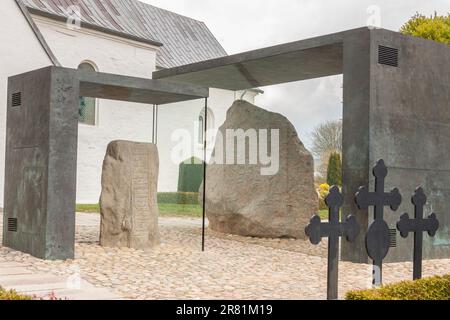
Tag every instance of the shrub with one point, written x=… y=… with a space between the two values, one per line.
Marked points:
x=12 y=295
x=323 y=191
x=435 y=288
x=322 y=205
x=190 y=175
x=178 y=197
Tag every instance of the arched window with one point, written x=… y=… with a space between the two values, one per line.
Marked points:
x=87 y=107
x=201 y=124
x=210 y=127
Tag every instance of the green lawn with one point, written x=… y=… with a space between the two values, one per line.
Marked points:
x=89 y=208
x=324 y=214
x=165 y=209
x=172 y=210
x=180 y=210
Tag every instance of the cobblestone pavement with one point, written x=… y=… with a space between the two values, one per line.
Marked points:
x=231 y=268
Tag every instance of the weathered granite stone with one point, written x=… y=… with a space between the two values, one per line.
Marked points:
x=240 y=199
x=128 y=203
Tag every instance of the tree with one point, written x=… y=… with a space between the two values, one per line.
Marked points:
x=327 y=139
x=435 y=27
x=334 y=172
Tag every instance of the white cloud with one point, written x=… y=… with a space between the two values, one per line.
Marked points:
x=242 y=25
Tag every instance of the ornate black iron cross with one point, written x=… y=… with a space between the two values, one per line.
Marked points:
x=418 y=225
x=377 y=237
x=334 y=229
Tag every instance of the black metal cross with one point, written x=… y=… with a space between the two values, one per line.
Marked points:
x=418 y=225
x=377 y=237
x=334 y=229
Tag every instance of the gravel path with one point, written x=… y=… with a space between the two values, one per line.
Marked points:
x=231 y=268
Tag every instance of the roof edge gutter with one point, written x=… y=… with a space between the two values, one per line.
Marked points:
x=95 y=27
x=38 y=34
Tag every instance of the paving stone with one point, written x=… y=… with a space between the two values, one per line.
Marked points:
x=232 y=267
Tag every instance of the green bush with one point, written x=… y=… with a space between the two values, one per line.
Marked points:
x=322 y=204
x=12 y=295
x=435 y=288
x=323 y=191
x=178 y=197
x=334 y=171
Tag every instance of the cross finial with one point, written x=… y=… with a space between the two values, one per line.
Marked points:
x=379 y=198
x=333 y=229
x=380 y=170
x=418 y=225
x=334 y=201
x=406 y=225
x=334 y=198
x=419 y=199
x=377 y=237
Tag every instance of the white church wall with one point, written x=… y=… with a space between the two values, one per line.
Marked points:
x=109 y=53
x=20 y=51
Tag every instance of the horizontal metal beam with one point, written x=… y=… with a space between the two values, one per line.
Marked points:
x=125 y=88
x=301 y=60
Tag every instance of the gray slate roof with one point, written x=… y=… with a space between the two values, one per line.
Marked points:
x=184 y=40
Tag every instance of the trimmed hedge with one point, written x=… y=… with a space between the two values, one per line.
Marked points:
x=12 y=295
x=190 y=175
x=178 y=197
x=435 y=288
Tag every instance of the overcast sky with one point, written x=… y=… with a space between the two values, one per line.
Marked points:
x=242 y=25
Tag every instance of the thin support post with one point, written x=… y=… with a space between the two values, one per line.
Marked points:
x=153 y=124
x=205 y=142
x=156 y=123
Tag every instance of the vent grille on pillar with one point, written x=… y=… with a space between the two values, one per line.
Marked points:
x=17 y=99
x=392 y=238
x=388 y=56
x=12 y=224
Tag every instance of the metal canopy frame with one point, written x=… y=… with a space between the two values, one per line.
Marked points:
x=41 y=151
x=301 y=60
x=376 y=65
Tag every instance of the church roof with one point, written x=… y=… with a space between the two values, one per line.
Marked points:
x=184 y=40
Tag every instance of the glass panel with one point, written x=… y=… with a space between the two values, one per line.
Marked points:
x=86 y=109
